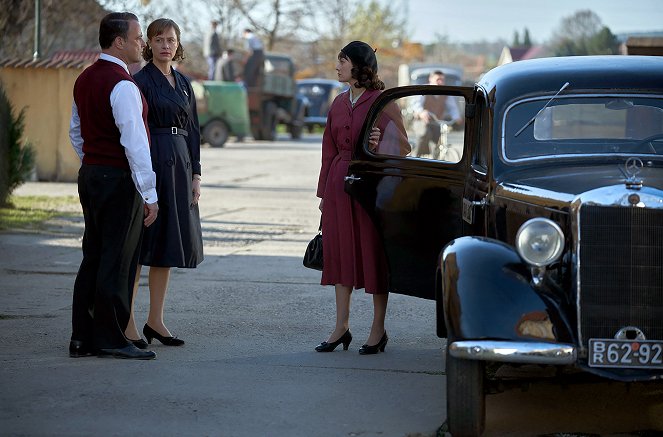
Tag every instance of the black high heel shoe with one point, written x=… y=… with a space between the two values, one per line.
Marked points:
x=150 y=333
x=370 y=350
x=346 y=338
x=140 y=343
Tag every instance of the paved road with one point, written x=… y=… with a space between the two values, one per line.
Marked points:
x=251 y=315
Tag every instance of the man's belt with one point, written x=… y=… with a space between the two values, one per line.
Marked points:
x=168 y=130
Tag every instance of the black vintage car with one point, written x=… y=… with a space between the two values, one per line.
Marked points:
x=541 y=240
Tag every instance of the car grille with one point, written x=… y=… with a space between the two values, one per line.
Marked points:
x=621 y=271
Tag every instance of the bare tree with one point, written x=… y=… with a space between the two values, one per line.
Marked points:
x=377 y=25
x=333 y=15
x=278 y=20
x=193 y=21
x=65 y=25
x=229 y=18
x=331 y=27
x=148 y=11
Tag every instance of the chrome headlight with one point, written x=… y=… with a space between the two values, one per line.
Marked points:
x=540 y=241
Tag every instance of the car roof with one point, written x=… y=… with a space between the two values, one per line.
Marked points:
x=418 y=71
x=584 y=73
x=430 y=66
x=319 y=81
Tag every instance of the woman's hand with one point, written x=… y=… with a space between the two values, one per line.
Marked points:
x=195 y=188
x=374 y=138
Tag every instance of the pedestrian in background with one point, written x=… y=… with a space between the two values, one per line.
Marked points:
x=255 y=63
x=175 y=238
x=433 y=109
x=228 y=68
x=353 y=254
x=212 y=48
x=116 y=187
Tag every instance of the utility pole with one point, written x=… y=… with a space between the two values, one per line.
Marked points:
x=37 y=42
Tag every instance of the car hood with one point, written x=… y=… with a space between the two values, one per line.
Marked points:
x=559 y=185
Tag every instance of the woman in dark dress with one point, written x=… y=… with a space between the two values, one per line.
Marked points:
x=175 y=239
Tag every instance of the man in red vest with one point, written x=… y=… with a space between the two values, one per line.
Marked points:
x=116 y=187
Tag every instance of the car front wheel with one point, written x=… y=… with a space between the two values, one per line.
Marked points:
x=466 y=400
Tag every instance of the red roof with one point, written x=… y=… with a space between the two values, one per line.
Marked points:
x=64 y=59
x=533 y=52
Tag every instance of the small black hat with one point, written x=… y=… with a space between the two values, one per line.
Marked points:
x=361 y=53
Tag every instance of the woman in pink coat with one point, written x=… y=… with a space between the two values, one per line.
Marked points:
x=352 y=252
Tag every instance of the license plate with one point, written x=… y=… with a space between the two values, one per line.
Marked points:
x=640 y=354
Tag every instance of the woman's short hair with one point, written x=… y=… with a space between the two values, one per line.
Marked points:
x=156 y=28
x=113 y=25
x=365 y=76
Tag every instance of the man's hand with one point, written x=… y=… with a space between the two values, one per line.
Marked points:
x=150 y=210
x=425 y=116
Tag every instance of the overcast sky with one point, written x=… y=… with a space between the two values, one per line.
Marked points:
x=475 y=20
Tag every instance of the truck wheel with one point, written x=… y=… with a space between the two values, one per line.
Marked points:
x=466 y=399
x=297 y=125
x=257 y=133
x=269 y=122
x=296 y=132
x=216 y=133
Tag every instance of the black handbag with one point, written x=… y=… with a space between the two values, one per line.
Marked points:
x=313 y=254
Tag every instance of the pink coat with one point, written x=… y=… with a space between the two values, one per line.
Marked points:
x=353 y=253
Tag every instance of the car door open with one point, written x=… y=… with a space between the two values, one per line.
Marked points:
x=412 y=183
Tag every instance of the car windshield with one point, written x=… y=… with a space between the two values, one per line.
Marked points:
x=583 y=125
x=278 y=66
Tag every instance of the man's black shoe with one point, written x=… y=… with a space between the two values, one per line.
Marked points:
x=78 y=349
x=129 y=352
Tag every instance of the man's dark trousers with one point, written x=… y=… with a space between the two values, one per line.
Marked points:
x=433 y=132
x=112 y=209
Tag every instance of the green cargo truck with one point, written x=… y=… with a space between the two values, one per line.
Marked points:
x=227 y=108
x=222 y=111
x=274 y=100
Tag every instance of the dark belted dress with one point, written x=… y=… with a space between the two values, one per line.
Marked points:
x=175 y=238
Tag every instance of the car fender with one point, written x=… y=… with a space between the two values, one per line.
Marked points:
x=486 y=292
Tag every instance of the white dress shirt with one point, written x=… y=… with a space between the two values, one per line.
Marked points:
x=128 y=113
x=253 y=42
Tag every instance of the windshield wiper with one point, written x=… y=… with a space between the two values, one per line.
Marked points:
x=541 y=110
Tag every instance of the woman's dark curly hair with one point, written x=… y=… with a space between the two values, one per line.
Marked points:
x=156 y=28
x=365 y=76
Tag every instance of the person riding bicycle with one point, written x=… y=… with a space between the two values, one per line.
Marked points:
x=433 y=110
